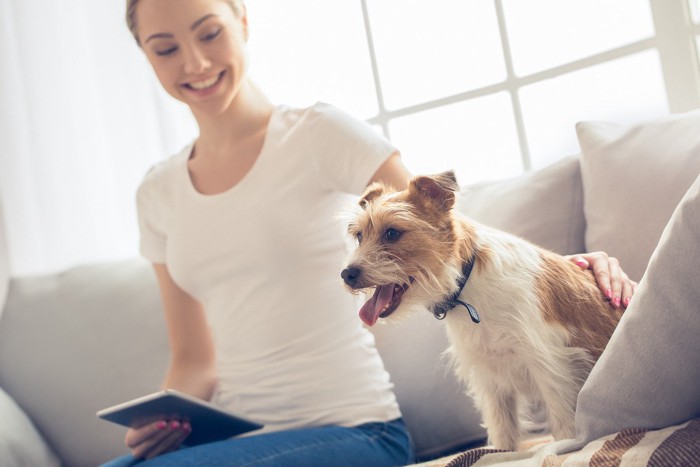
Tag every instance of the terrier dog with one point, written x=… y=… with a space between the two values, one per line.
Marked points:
x=522 y=321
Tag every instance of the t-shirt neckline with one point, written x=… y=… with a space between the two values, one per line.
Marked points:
x=243 y=181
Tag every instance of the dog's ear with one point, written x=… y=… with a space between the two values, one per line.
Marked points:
x=371 y=192
x=440 y=188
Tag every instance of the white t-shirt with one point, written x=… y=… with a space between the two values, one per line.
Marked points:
x=264 y=258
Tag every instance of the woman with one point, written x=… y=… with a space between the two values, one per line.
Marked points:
x=242 y=230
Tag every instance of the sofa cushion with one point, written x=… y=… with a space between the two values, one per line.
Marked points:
x=20 y=442
x=78 y=341
x=544 y=206
x=633 y=178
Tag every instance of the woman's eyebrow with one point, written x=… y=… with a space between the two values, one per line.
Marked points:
x=159 y=35
x=167 y=35
x=201 y=20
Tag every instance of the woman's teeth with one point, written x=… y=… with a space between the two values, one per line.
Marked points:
x=204 y=84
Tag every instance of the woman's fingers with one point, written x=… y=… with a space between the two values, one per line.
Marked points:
x=156 y=438
x=612 y=280
x=178 y=432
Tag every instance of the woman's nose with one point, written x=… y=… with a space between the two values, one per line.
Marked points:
x=195 y=61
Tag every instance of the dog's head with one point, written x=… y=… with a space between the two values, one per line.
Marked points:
x=406 y=245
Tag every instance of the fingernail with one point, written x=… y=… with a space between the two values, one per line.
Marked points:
x=174 y=425
x=582 y=264
x=160 y=425
x=608 y=293
x=627 y=301
x=186 y=427
x=616 y=301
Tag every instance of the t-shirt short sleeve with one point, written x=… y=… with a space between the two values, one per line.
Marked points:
x=353 y=150
x=153 y=238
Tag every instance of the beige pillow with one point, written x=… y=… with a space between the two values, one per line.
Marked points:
x=633 y=178
x=544 y=206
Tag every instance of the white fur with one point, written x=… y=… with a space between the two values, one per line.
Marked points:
x=513 y=353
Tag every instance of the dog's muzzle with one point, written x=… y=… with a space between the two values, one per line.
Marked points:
x=351 y=275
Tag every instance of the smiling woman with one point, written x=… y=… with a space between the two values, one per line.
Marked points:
x=225 y=223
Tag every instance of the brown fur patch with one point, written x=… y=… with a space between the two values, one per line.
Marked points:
x=570 y=297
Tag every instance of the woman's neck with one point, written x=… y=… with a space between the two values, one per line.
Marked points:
x=246 y=117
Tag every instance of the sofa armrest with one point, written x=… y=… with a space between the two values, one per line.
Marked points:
x=77 y=341
x=20 y=442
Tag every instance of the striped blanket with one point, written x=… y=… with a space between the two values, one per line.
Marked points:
x=678 y=445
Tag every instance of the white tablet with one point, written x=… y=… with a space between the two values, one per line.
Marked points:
x=209 y=423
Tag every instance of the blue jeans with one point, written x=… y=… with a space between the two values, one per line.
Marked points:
x=368 y=445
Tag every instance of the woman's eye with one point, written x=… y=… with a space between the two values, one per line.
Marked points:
x=392 y=235
x=167 y=51
x=211 y=36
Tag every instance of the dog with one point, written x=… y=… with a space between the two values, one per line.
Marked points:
x=523 y=323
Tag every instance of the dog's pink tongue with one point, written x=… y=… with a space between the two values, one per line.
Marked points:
x=370 y=311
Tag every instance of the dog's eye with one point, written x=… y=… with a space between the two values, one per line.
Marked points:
x=392 y=235
x=358 y=237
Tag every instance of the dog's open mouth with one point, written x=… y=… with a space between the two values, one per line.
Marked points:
x=385 y=300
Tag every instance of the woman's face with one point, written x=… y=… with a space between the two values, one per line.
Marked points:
x=197 y=49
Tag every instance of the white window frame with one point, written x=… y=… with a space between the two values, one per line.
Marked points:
x=674 y=40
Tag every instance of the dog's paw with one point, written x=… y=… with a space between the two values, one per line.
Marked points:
x=506 y=441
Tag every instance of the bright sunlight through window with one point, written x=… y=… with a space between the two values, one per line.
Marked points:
x=487 y=88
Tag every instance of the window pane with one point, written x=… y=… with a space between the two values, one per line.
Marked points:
x=476 y=138
x=624 y=91
x=310 y=50
x=548 y=33
x=428 y=50
x=695 y=10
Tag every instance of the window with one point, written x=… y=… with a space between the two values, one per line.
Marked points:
x=489 y=88
x=694 y=6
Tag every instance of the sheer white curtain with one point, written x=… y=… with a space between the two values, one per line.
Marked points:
x=82 y=117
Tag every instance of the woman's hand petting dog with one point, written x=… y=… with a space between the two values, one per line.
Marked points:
x=612 y=280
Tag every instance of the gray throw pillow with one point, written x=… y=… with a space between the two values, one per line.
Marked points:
x=649 y=374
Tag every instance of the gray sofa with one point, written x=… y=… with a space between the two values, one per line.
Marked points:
x=79 y=340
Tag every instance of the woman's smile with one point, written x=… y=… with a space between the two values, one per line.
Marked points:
x=205 y=85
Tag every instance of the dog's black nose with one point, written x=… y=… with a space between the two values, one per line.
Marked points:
x=350 y=275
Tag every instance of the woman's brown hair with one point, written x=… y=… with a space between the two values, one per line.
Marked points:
x=236 y=6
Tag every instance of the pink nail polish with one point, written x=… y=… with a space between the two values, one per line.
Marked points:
x=627 y=301
x=582 y=264
x=174 y=425
x=616 y=302
x=608 y=293
x=160 y=425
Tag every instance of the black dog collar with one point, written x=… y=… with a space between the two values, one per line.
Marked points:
x=440 y=310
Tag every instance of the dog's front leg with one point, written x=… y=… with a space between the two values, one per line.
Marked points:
x=500 y=412
x=559 y=383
